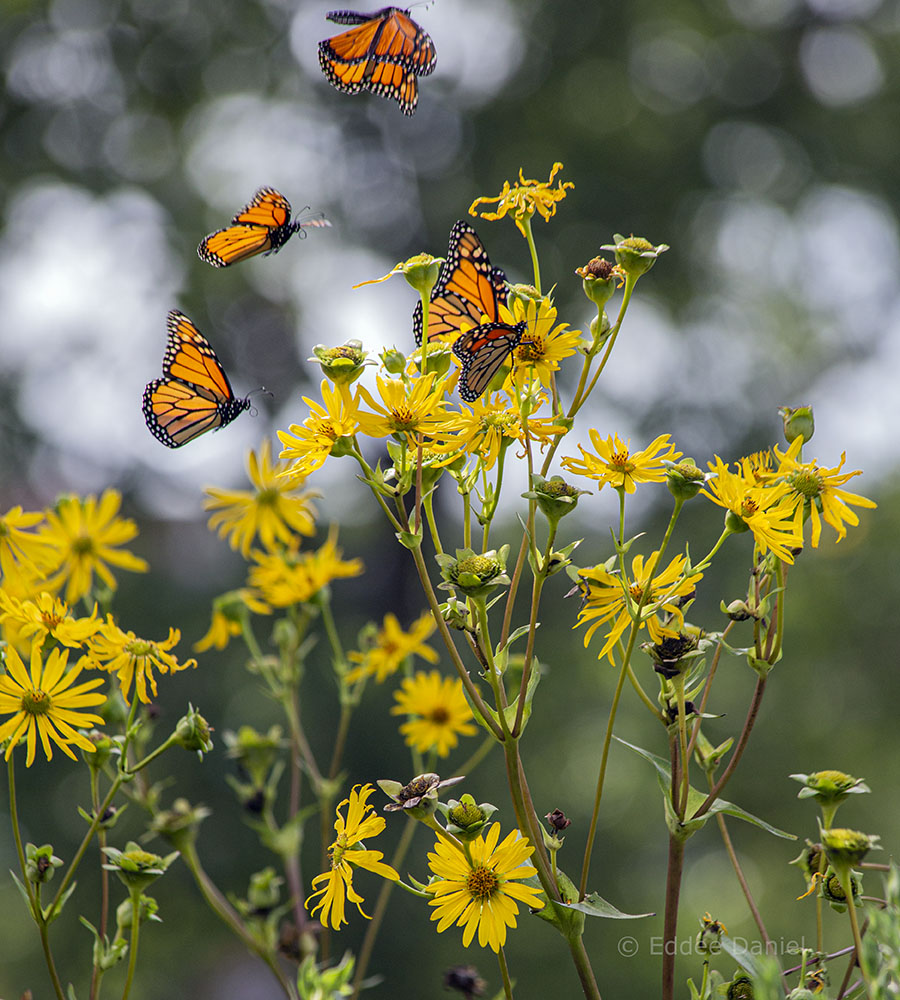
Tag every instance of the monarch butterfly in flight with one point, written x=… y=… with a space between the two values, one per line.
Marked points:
x=383 y=52
x=468 y=290
x=263 y=226
x=482 y=351
x=194 y=395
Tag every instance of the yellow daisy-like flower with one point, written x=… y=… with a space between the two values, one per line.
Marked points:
x=274 y=511
x=287 y=577
x=347 y=852
x=817 y=491
x=84 y=535
x=478 y=890
x=43 y=702
x=309 y=444
x=19 y=546
x=439 y=712
x=524 y=199
x=410 y=408
x=545 y=343
x=132 y=659
x=615 y=464
x=607 y=600
x=489 y=424
x=392 y=646
x=229 y=611
x=765 y=510
x=44 y=615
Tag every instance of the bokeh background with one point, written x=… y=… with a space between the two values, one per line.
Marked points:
x=759 y=138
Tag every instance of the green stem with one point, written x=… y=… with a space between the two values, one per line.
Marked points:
x=97 y=973
x=583 y=968
x=526 y=225
x=745 y=888
x=374 y=925
x=847 y=886
x=504 y=972
x=133 y=944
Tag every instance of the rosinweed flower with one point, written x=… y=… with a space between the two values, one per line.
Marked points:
x=20 y=547
x=391 y=646
x=347 y=852
x=274 y=511
x=287 y=577
x=545 y=342
x=45 y=701
x=309 y=444
x=437 y=710
x=229 y=613
x=132 y=659
x=614 y=463
x=662 y=592
x=478 y=891
x=522 y=200
x=816 y=492
x=42 y=617
x=407 y=410
x=84 y=536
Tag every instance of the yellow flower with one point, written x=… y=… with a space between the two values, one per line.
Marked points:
x=392 y=646
x=133 y=659
x=409 y=410
x=524 y=199
x=439 y=710
x=20 y=548
x=83 y=535
x=543 y=345
x=621 y=468
x=478 y=890
x=490 y=424
x=817 y=491
x=44 y=615
x=287 y=577
x=44 y=703
x=311 y=443
x=273 y=511
x=346 y=854
x=608 y=598
x=765 y=509
x=229 y=611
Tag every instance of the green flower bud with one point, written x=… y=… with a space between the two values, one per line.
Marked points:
x=740 y=988
x=684 y=479
x=465 y=819
x=105 y=745
x=256 y=753
x=192 y=732
x=136 y=867
x=264 y=891
x=829 y=786
x=809 y=861
x=147 y=910
x=180 y=824
x=421 y=271
x=342 y=365
x=40 y=863
x=797 y=420
x=709 y=936
x=394 y=361
x=847 y=847
x=634 y=254
x=474 y=575
x=554 y=496
x=523 y=294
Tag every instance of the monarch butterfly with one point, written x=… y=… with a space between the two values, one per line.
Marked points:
x=194 y=396
x=383 y=52
x=263 y=226
x=482 y=351
x=468 y=288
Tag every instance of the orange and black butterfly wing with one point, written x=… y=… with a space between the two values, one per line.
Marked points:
x=469 y=288
x=383 y=52
x=262 y=226
x=194 y=395
x=483 y=351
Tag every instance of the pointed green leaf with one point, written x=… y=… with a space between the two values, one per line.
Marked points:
x=596 y=906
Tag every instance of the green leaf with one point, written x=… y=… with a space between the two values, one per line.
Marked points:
x=689 y=826
x=410 y=539
x=596 y=906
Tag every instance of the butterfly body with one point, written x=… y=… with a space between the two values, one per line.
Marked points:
x=383 y=52
x=262 y=226
x=469 y=288
x=194 y=394
x=483 y=351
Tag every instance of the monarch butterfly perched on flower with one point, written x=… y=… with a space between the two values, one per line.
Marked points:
x=470 y=290
x=262 y=226
x=194 y=395
x=483 y=351
x=383 y=52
